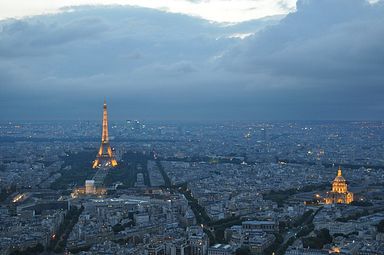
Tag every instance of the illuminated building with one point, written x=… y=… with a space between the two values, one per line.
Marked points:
x=105 y=157
x=89 y=189
x=339 y=193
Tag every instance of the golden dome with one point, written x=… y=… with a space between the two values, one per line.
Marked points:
x=339 y=193
x=339 y=177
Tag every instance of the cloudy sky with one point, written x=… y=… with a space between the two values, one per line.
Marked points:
x=259 y=60
x=214 y=10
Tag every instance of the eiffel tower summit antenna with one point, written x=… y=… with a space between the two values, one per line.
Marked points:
x=104 y=157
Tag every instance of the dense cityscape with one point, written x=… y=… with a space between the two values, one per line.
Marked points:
x=191 y=188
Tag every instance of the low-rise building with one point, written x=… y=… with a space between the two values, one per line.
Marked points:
x=266 y=226
x=220 y=249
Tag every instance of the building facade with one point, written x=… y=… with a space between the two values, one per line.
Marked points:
x=339 y=193
x=220 y=249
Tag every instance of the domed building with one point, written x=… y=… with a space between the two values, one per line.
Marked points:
x=339 y=193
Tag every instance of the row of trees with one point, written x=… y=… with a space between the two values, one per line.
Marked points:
x=281 y=196
x=59 y=242
x=380 y=227
x=37 y=249
x=76 y=169
x=317 y=242
x=5 y=192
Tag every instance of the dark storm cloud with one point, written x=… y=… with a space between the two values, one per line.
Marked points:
x=323 y=38
x=51 y=63
x=324 y=61
x=330 y=50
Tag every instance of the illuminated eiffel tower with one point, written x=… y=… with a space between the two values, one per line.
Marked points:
x=105 y=157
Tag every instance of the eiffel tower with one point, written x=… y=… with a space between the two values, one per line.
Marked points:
x=105 y=158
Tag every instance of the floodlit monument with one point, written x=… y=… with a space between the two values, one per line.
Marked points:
x=105 y=156
x=339 y=193
x=89 y=189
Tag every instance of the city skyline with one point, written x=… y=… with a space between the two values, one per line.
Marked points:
x=240 y=188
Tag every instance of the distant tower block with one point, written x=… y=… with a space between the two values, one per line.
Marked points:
x=105 y=157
